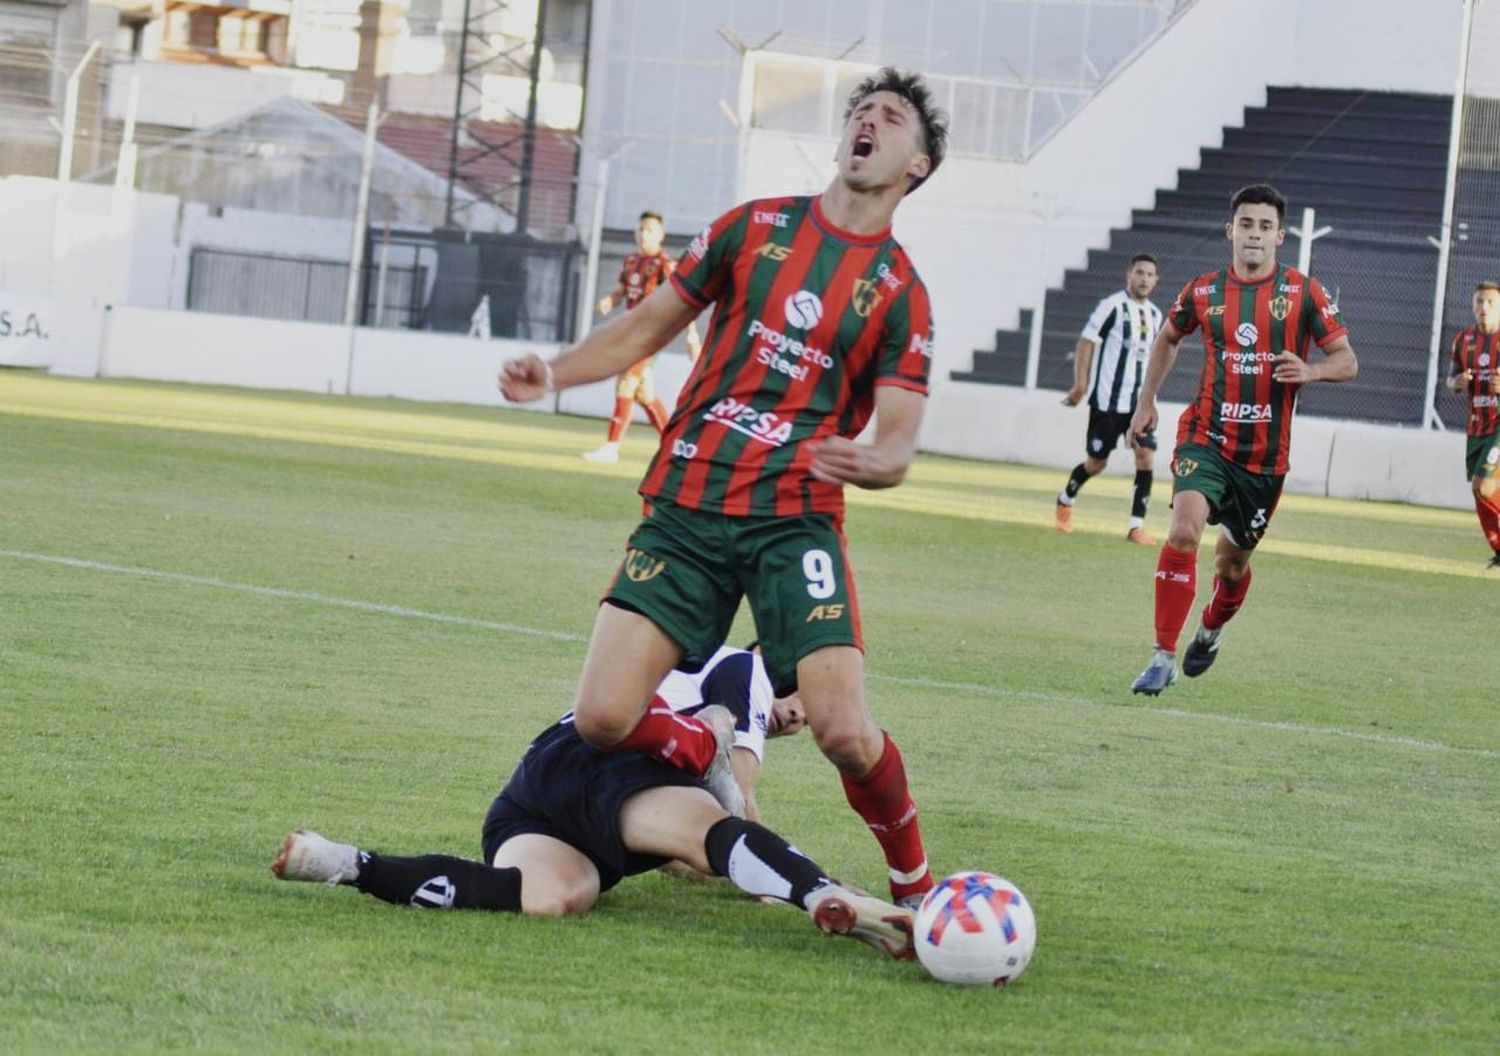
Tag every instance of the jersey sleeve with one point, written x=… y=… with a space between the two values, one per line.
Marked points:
x=753 y=736
x=1324 y=322
x=706 y=263
x=1102 y=311
x=1456 y=355
x=624 y=279
x=1183 y=315
x=905 y=356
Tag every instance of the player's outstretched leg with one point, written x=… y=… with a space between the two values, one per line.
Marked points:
x=1076 y=480
x=432 y=881
x=1231 y=584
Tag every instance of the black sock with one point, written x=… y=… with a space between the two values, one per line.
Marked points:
x=759 y=862
x=1142 y=496
x=439 y=881
x=1076 y=480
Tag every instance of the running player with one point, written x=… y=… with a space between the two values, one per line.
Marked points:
x=819 y=320
x=640 y=275
x=573 y=821
x=1475 y=372
x=1258 y=320
x=1122 y=329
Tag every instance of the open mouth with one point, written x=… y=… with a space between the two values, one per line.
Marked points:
x=864 y=146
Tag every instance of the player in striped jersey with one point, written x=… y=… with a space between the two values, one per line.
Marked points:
x=573 y=821
x=1259 y=321
x=640 y=274
x=1121 y=331
x=1475 y=374
x=819 y=320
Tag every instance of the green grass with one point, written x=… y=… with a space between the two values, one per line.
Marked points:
x=1298 y=853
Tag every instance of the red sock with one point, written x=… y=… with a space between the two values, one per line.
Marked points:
x=1176 y=583
x=620 y=420
x=657 y=412
x=1489 y=519
x=1225 y=601
x=682 y=740
x=882 y=799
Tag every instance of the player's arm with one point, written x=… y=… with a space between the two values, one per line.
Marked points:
x=746 y=769
x=607 y=350
x=607 y=302
x=1158 y=366
x=1458 y=378
x=883 y=464
x=1083 y=357
x=1338 y=364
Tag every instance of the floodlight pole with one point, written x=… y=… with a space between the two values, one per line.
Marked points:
x=65 y=154
x=1430 y=416
x=357 y=240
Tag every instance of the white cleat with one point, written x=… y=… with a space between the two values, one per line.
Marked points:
x=720 y=777
x=838 y=911
x=607 y=452
x=308 y=856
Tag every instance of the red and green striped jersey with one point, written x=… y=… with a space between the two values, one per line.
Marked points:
x=1478 y=352
x=808 y=320
x=640 y=275
x=1240 y=409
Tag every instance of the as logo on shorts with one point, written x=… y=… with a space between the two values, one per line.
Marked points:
x=1186 y=467
x=641 y=566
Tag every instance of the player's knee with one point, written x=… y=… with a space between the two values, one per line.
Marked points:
x=559 y=900
x=852 y=746
x=1231 y=568
x=1485 y=487
x=1094 y=466
x=1184 y=536
x=601 y=725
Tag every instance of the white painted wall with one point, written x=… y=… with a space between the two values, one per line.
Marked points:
x=1349 y=460
x=1343 y=459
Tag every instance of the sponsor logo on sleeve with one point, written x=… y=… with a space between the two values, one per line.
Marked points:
x=921 y=344
x=698 y=247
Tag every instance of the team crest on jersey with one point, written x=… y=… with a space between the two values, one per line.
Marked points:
x=1246 y=334
x=641 y=567
x=865 y=299
x=1281 y=307
x=1186 y=467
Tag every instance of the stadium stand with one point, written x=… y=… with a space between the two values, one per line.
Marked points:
x=1372 y=165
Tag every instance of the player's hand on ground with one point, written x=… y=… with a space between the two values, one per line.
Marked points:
x=524 y=378
x=1072 y=398
x=836 y=460
x=1290 y=369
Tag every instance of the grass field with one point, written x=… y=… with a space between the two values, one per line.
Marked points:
x=226 y=614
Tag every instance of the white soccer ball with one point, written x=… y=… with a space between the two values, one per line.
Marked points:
x=975 y=929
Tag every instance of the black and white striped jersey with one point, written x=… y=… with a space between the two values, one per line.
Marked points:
x=1122 y=331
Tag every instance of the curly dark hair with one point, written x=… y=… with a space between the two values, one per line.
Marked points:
x=914 y=90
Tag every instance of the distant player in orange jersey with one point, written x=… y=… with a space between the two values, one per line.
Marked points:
x=1475 y=374
x=640 y=275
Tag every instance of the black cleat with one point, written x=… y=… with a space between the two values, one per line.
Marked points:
x=1202 y=651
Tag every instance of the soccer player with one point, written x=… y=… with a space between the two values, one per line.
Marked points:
x=640 y=275
x=819 y=319
x=1258 y=320
x=1122 y=329
x=573 y=821
x=1475 y=371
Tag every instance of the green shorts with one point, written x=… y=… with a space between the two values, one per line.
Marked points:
x=1483 y=456
x=686 y=571
x=1241 y=501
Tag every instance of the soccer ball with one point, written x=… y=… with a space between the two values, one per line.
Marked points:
x=975 y=929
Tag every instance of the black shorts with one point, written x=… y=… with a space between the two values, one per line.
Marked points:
x=566 y=788
x=1105 y=430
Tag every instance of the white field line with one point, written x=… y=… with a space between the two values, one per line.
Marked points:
x=404 y=612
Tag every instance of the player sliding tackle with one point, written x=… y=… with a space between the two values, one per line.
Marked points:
x=819 y=320
x=1259 y=321
x=572 y=821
